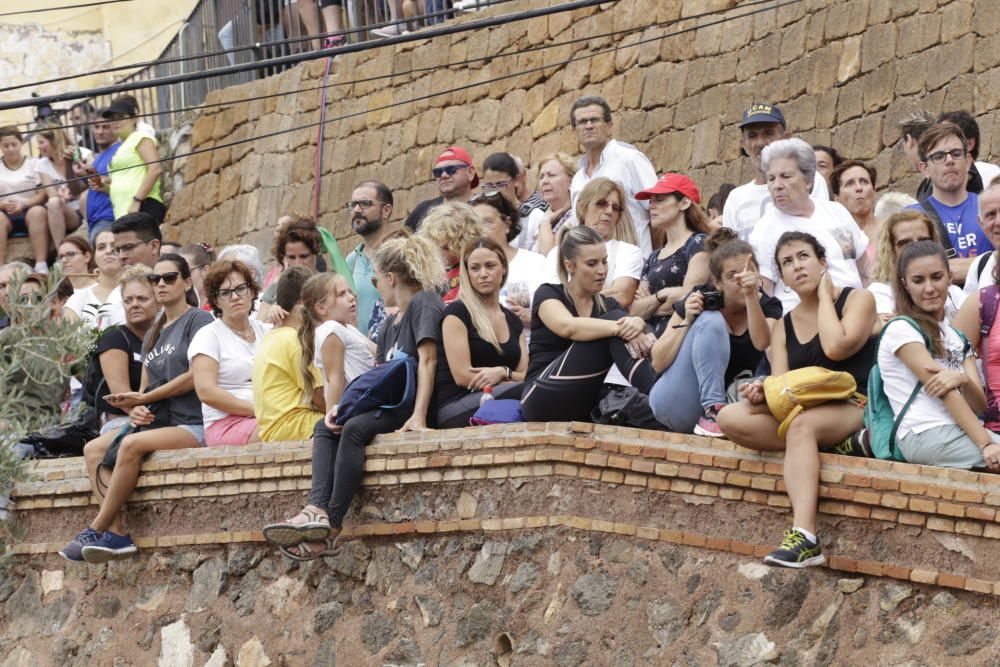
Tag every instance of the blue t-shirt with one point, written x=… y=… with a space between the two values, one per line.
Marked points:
x=962 y=223
x=99 y=203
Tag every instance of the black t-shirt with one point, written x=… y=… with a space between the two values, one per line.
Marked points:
x=416 y=216
x=118 y=338
x=420 y=322
x=743 y=356
x=669 y=272
x=545 y=346
x=481 y=353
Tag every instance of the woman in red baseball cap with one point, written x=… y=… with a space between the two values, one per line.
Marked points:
x=671 y=272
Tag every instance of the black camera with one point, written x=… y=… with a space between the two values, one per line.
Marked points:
x=712 y=299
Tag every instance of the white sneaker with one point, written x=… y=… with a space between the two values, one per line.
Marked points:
x=387 y=31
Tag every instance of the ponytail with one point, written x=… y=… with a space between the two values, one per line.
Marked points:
x=315 y=290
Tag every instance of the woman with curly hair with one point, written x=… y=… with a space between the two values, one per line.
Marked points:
x=451 y=226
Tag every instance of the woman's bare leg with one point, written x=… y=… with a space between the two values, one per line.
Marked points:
x=38 y=232
x=750 y=425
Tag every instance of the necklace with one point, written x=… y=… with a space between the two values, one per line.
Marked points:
x=245 y=335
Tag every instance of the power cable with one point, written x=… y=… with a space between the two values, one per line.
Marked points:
x=409 y=72
x=235 y=49
x=772 y=6
x=302 y=57
x=61 y=7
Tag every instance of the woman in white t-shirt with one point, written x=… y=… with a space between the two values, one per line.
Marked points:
x=525 y=269
x=941 y=425
x=55 y=168
x=539 y=230
x=222 y=355
x=100 y=304
x=24 y=213
x=790 y=165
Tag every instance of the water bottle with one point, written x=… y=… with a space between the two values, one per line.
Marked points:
x=487 y=396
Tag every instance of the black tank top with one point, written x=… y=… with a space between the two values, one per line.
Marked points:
x=811 y=353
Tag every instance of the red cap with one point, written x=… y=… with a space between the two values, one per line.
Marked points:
x=457 y=153
x=672 y=183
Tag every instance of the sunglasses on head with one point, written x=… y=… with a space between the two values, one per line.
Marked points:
x=169 y=278
x=450 y=169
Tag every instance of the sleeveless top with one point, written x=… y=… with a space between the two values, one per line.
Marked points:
x=810 y=353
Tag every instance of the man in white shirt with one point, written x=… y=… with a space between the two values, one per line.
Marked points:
x=590 y=117
x=762 y=125
x=981 y=271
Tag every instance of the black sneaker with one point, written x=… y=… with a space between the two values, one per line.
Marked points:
x=856 y=444
x=796 y=551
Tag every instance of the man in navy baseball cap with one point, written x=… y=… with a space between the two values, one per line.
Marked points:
x=761 y=125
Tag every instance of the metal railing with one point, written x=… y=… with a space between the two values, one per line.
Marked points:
x=216 y=25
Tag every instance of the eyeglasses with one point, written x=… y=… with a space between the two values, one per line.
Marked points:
x=240 y=290
x=494 y=188
x=68 y=255
x=365 y=204
x=902 y=243
x=941 y=156
x=127 y=248
x=200 y=266
x=593 y=120
x=32 y=299
x=604 y=203
x=450 y=169
x=169 y=278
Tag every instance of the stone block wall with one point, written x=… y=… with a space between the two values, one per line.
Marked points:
x=844 y=71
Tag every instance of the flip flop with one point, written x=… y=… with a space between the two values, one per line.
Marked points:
x=331 y=548
x=316 y=528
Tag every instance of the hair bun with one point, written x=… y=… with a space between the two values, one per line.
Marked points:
x=718 y=237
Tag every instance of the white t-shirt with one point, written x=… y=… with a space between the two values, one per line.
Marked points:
x=524 y=276
x=972 y=279
x=925 y=412
x=624 y=261
x=833 y=227
x=45 y=166
x=235 y=358
x=748 y=203
x=987 y=172
x=357 y=355
x=885 y=300
x=88 y=308
x=22 y=178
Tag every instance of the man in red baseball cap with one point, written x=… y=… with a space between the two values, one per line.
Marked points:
x=456 y=178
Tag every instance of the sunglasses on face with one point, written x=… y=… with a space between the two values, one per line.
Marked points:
x=450 y=169
x=169 y=278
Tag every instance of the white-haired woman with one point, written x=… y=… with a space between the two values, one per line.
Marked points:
x=790 y=166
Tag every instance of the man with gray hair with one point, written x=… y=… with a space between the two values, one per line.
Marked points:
x=590 y=117
x=762 y=125
x=982 y=267
x=8 y=272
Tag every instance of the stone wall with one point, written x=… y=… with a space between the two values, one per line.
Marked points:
x=528 y=544
x=844 y=70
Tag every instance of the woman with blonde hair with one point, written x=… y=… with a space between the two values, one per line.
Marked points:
x=451 y=226
x=483 y=343
x=55 y=168
x=555 y=173
x=900 y=230
x=407 y=273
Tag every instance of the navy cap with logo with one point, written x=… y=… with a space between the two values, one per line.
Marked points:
x=762 y=113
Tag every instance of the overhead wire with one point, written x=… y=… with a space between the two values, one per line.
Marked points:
x=772 y=6
x=412 y=70
x=62 y=7
x=256 y=45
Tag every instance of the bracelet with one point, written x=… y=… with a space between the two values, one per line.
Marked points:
x=137 y=199
x=508 y=371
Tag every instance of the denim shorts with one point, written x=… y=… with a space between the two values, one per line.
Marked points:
x=197 y=430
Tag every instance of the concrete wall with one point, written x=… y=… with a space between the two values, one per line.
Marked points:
x=844 y=71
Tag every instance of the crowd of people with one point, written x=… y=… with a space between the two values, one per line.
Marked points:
x=606 y=294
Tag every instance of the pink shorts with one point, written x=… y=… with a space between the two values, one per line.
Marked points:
x=231 y=430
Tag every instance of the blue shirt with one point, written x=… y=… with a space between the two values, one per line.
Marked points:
x=99 y=203
x=962 y=224
x=362 y=270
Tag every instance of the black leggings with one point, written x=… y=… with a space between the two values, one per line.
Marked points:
x=570 y=387
x=338 y=461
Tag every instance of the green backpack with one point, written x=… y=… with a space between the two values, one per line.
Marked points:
x=880 y=421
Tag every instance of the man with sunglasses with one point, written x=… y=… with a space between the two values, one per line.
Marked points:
x=456 y=178
x=946 y=160
x=590 y=117
x=137 y=239
x=370 y=209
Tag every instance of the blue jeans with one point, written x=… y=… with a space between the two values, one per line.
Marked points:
x=701 y=362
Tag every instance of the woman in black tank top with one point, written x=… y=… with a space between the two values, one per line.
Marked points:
x=831 y=327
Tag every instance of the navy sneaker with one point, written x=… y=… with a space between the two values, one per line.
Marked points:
x=796 y=551
x=111 y=546
x=74 y=550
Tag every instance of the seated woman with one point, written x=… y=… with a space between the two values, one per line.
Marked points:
x=900 y=230
x=710 y=348
x=539 y=231
x=222 y=355
x=297 y=243
x=119 y=350
x=601 y=206
x=670 y=273
x=502 y=224
x=55 y=168
x=451 y=226
x=77 y=260
x=578 y=334
x=99 y=304
x=287 y=395
x=199 y=258
x=941 y=426
x=22 y=214
x=830 y=327
x=164 y=414
x=483 y=342
x=407 y=275
x=853 y=184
